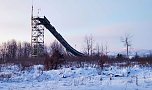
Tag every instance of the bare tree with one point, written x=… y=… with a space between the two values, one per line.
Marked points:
x=3 y=51
x=19 y=50
x=45 y=50
x=89 y=41
x=12 y=48
x=56 y=46
x=102 y=49
x=26 y=49
x=98 y=50
x=106 y=49
x=127 y=42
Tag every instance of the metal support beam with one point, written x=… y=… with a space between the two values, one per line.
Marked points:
x=37 y=38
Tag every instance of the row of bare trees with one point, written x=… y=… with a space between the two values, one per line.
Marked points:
x=96 y=49
x=91 y=49
x=16 y=50
x=13 y=49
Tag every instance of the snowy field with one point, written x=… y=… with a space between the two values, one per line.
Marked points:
x=108 y=78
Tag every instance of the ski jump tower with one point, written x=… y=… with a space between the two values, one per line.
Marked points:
x=37 y=37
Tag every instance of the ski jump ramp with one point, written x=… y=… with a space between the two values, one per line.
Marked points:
x=44 y=21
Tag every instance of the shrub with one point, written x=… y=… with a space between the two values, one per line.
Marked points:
x=54 y=61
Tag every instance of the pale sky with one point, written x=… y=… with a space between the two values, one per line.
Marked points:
x=106 y=20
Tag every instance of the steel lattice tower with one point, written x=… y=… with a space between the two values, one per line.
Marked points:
x=37 y=37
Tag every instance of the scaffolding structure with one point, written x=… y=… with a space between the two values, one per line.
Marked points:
x=37 y=37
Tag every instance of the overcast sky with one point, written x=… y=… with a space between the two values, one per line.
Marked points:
x=106 y=20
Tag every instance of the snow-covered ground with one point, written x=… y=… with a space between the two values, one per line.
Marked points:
x=88 y=78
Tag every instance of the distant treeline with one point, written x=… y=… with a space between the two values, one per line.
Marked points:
x=55 y=56
x=16 y=50
x=13 y=50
